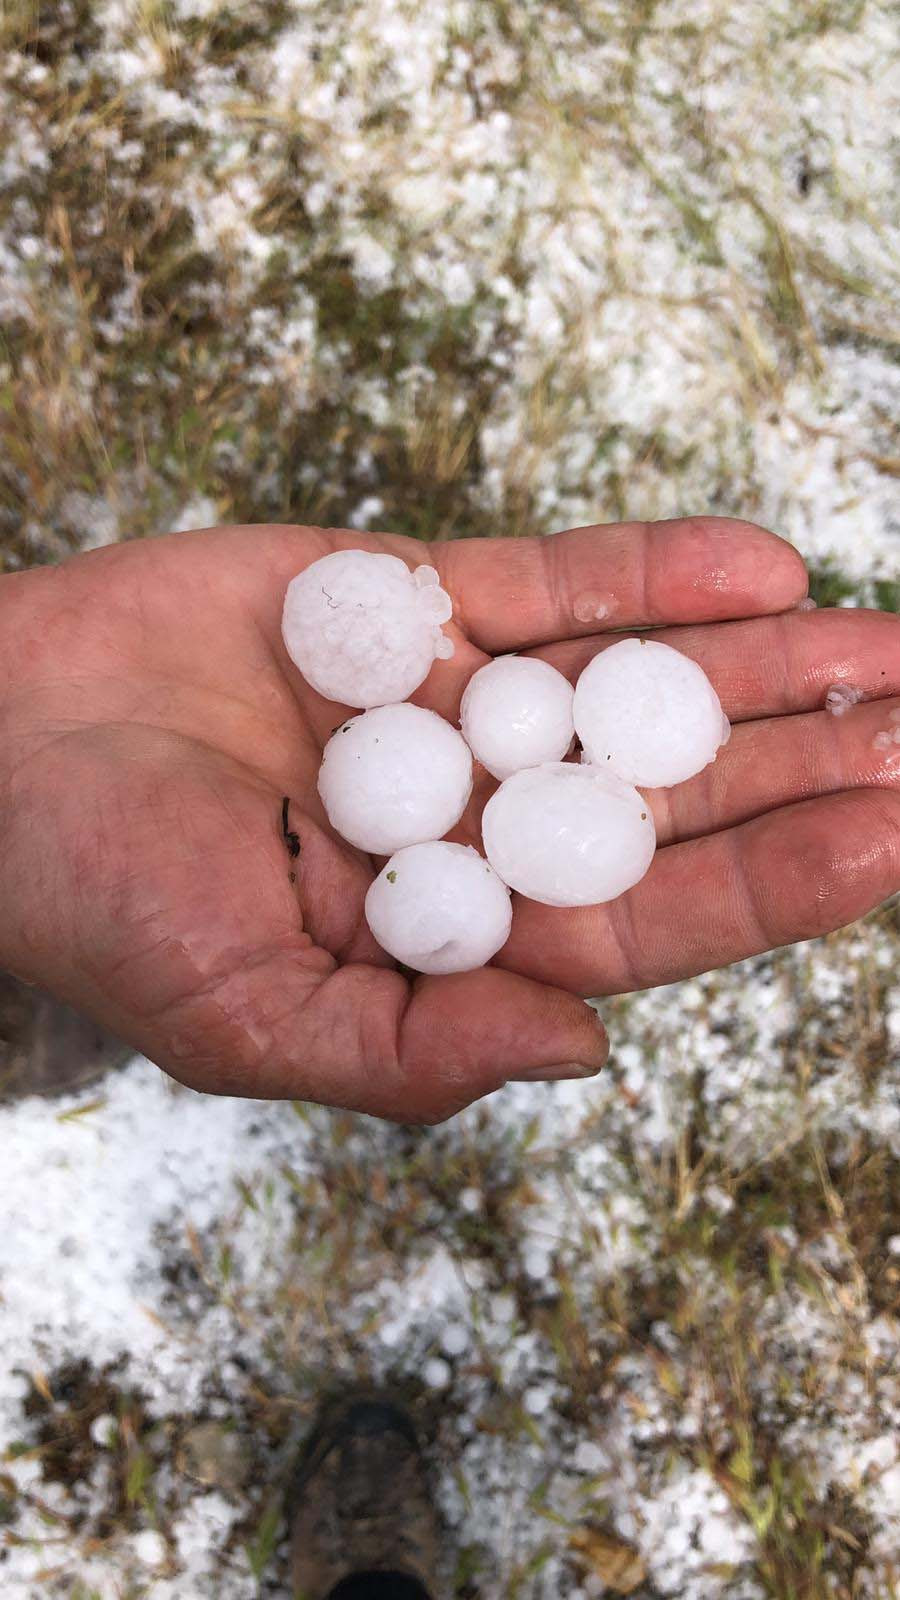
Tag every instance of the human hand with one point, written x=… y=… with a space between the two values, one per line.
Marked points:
x=152 y=723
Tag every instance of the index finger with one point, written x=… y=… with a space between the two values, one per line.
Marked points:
x=509 y=594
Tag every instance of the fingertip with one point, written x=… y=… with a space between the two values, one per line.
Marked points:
x=465 y=1035
x=789 y=579
x=743 y=562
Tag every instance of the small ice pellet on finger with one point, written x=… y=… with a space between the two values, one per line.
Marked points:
x=884 y=741
x=840 y=697
x=894 y=716
x=395 y=776
x=363 y=629
x=592 y=607
x=439 y=908
x=568 y=835
x=648 y=713
x=517 y=712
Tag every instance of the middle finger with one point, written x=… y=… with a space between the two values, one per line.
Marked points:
x=772 y=666
x=779 y=761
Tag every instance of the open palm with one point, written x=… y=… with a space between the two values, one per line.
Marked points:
x=151 y=726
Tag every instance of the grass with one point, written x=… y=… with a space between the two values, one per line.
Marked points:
x=97 y=395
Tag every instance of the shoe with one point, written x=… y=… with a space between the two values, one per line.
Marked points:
x=362 y=1521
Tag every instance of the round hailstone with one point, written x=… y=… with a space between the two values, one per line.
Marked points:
x=439 y=908
x=648 y=714
x=568 y=835
x=363 y=629
x=395 y=776
x=517 y=712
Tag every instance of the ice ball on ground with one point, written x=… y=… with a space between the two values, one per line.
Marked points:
x=150 y=1548
x=439 y=908
x=517 y=712
x=568 y=835
x=648 y=713
x=363 y=629
x=395 y=776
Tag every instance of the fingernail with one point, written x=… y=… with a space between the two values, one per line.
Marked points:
x=567 y=1069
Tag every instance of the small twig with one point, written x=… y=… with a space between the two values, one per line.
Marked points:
x=291 y=839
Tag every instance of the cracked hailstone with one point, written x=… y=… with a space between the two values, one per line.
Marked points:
x=395 y=776
x=648 y=714
x=517 y=712
x=439 y=908
x=568 y=835
x=363 y=629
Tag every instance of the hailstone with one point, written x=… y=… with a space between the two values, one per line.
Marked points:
x=517 y=712
x=840 y=698
x=648 y=714
x=568 y=835
x=363 y=629
x=395 y=776
x=439 y=908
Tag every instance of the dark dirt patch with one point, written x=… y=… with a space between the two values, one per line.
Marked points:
x=62 y=1409
x=48 y=1048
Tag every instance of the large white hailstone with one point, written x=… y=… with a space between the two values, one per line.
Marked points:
x=363 y=629
x=439 y=908
x=395 y=776
x=517 y=712
x=648 y=714
x=568 y=835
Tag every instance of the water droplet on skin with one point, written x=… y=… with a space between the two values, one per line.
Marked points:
x=883 y=741
x=809 y=604
x=715 y=578
x=894 y=716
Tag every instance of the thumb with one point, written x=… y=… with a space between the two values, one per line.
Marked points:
x=360 y=1037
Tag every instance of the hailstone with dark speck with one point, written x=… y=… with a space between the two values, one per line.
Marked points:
x=439 y=908
x=395 y=776
x=648 y=714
